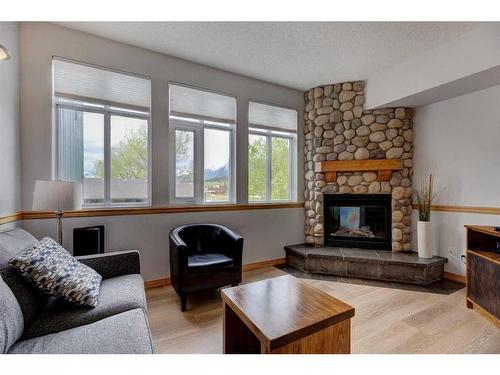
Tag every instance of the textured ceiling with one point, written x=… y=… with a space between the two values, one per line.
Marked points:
x=300 y=55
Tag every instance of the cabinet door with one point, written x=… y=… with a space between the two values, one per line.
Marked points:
x=484 y=283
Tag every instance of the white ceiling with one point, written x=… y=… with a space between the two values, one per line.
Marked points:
x=300 y=55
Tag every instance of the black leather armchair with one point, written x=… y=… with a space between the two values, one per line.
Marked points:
x=204 y=256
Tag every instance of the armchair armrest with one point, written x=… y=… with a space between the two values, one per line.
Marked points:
x=176 y=240
x=113 y=264
x=178 y=258
x=233 y=244
x=231 y=235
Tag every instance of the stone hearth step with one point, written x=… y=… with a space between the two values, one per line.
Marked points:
x=402 y=267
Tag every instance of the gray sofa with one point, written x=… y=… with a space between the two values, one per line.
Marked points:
x=32 y=322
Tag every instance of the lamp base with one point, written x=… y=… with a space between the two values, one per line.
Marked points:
x=59 y=215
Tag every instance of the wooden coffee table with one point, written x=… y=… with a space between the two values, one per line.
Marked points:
x=285 y=315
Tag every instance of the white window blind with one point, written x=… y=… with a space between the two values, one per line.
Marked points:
x=191 y=102
x=85 y=82
x=260 y=114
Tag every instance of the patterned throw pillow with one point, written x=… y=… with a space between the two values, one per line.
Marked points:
x=55 y=271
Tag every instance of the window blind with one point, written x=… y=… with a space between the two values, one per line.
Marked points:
x=191 y=102
x=85 y=82
x=272 y=116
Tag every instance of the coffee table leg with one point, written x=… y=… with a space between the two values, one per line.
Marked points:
x=238 y=338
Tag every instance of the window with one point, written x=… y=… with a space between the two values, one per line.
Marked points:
x=184 y=164
x=103 y=121
x=202 y=132
x=271 y=153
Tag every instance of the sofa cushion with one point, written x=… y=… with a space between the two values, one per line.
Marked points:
x=117 y=295
x=54 y=270
x=125 y=333
x=11 y=318
x=208 y=262
x=13 y=242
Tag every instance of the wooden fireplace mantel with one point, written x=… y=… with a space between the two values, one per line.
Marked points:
x=383 y=167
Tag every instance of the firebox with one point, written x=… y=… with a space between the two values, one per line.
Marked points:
x=358 y=220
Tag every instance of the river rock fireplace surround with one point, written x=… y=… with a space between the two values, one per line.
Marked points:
x=349 y=150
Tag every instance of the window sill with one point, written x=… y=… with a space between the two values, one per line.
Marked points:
x=124 y=211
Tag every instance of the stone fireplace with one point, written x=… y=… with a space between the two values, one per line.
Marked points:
x=338 y=129
x=358 y=174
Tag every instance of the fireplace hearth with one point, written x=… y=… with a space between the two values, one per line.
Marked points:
x=358 y=221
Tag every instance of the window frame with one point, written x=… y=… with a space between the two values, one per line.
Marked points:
x=269 y=134
x=107 y=110
x=197 y=126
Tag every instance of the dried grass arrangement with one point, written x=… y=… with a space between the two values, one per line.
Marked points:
x=424 y=197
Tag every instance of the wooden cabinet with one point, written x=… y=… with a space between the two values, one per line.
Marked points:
x=483 y=271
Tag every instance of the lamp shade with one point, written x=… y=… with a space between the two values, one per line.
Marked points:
x=57 y=196
x=4 y=53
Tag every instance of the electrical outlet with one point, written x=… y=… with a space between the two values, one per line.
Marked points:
x=460 y=257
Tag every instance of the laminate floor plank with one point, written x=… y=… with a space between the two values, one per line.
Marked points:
x=387 y=320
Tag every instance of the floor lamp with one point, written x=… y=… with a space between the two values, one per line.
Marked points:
x=57 y=196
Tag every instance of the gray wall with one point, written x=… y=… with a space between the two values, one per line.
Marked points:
x=10 y=167
x=458 y=140
x=265 y=231
x=40 y=41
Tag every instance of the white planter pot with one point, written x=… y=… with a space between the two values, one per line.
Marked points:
x=424 y=239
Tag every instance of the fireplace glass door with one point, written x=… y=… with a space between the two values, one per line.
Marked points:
x=358 y=220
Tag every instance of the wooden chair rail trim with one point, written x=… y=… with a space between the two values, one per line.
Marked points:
x=25 y=215
x=165 y=281
x=465 y=209
x=10 y=218
x=158 y=210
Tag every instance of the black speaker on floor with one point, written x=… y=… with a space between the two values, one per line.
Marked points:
x=88 y=240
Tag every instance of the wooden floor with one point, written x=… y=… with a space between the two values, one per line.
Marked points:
x=386 y=321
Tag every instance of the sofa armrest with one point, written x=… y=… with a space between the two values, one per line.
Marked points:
x=113 y=264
